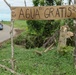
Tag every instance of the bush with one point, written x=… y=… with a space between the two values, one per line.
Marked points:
x=66 y=50
x=29 y=40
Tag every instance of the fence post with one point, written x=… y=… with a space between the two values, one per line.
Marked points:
x=12 y=46
x=75 y=39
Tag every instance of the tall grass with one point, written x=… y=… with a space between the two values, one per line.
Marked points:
x=29 y=63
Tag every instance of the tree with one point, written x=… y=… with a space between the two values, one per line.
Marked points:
x=43 y=29
x=50 y=2
x=69 y=2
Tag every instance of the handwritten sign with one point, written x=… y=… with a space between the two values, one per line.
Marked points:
x=44 y=12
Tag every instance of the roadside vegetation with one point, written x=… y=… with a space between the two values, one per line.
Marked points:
x=21 y=24
x=29 y=63
x=33 y=38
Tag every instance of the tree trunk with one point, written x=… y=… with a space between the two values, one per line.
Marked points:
x=62 y=38
x=75 y=39
x=75 y=43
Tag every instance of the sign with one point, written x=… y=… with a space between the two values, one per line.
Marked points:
x=44 y=12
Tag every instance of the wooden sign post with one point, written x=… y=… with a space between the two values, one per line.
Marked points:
x=47 y=13
x=75 y=39
x=12 y=44
x=75 y=43
x=40 y=13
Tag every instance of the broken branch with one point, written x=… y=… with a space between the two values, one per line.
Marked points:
x=25 y=2
x=48 y=48
x=8 y=69
x=39 y=53
x=7 y=3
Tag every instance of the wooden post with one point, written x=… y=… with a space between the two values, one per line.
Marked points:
x=12 y=44
x=62 y=38
x=25 y=2
x=64 y=34
x=75 y=39
x=75 y=43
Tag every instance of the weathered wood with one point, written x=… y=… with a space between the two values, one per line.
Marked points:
x=12 y=45
x=62 y=37
x=49 y=48
x=39 y=53
x=44 y=12
x=75 y=39
x=51 y=39
x=7 y=3
x=75 y=43
x=25 y=2
x=64 y=34
x=8 y=69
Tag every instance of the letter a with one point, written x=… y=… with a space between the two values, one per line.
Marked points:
x=21 y=14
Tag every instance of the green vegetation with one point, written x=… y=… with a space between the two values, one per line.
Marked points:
x=29 y=63
x=35 y=33
x=21 y=24
x=6 y=22
x=41 y=29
